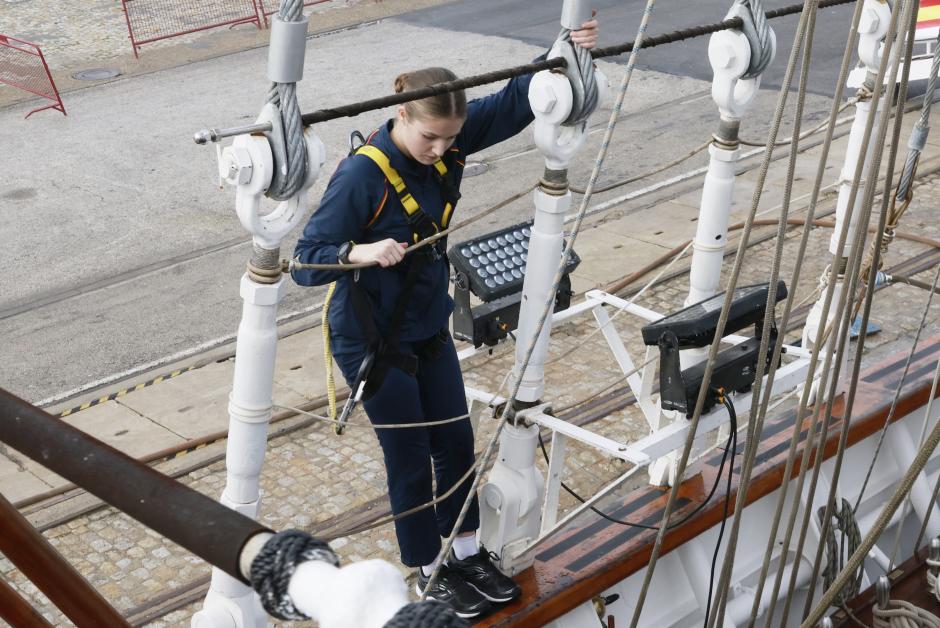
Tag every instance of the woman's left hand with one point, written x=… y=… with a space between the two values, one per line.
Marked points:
x=586 y=36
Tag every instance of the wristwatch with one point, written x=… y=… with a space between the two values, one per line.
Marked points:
x=342 y=253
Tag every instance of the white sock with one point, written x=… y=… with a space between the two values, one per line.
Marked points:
x=427 y=570
x=466 y=546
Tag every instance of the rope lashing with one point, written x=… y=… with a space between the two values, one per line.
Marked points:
x=289 y=174
x=836 y=551
x=429 y=614
x=272 y=568
x=583 y=80
x=888 y=613
x=933 y=568
x=757 y=30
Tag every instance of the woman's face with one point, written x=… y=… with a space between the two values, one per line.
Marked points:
x=427 y=139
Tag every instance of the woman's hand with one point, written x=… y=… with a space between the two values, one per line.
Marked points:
x=586 y=36
x=385 y=253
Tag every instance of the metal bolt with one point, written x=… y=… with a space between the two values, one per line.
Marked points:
x=542 y=98
x=868 y=23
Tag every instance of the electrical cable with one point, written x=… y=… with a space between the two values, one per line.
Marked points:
x=733 y=443
x=729 y=446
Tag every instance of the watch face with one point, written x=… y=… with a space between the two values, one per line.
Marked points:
x=342 y=253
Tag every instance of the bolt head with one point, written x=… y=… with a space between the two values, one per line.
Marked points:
x=723 y=56
x=542 y=98
x=868 y=23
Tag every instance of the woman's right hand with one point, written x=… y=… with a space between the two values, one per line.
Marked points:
x=385 y=253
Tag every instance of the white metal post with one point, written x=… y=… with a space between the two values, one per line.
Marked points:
x=248 y=164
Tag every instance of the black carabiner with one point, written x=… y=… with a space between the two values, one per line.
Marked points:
x=356 y=392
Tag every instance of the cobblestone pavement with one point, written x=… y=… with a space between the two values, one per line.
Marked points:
x=313 y=476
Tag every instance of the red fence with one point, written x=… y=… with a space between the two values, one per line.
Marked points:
x=269 y=7
x=153 y=20
x=23 y=66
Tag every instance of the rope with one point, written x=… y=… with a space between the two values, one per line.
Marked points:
x=288 y=266
x=273 y=567
x=288 y=177
x=844 y=521
x=802 y=42
x=933 y=567
x=901 y=614
x=548 y=305
x=427 y=614
x=377 y=426
x=902 y=24
x=354 y=109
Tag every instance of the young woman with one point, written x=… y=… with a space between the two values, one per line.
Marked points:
x=399 y=188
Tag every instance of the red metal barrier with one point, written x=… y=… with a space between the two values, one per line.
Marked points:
x=269 y=7
x=152 y=20
x=23 y=66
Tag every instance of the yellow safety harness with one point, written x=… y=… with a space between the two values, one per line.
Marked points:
x=423 y=226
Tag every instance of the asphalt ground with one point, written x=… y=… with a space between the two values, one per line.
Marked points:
x=121 y=253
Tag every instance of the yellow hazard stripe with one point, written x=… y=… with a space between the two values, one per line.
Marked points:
x=120 y=393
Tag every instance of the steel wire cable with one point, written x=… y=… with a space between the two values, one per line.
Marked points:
x=547 y=306
x=582 y=107
x=759 y=411
x=900 y=35
x=936 y=488
x=287 y=178
x=828 y=349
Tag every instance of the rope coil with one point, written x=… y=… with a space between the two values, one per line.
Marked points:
x=429 y=614
x=273 y=567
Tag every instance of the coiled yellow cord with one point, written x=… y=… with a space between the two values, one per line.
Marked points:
x=327 y=353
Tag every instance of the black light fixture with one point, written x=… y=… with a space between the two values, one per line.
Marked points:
x=493 y=268
x=695 y=326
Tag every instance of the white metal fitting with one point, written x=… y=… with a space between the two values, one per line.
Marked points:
x=551 y=99
x=248 y=164
x=729 y=54
x=872 y=28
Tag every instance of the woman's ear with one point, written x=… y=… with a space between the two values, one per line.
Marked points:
x=402 y=114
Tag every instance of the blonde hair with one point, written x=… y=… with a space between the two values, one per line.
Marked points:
x=450 y=105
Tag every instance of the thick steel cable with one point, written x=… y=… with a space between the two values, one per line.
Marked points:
x=582 y=108
x=287 y=178
x=913 y=155
x=722 y=322
x=827 y=371
x=559 y=273
x=855 y=560
x=763 y=53
x=794 y=281
x=758 y=412
x=904 y=35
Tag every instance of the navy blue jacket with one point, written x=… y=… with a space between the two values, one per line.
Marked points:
x=358 y=189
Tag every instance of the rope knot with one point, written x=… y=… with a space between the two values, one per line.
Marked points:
x=429 y=614
x=273 y=567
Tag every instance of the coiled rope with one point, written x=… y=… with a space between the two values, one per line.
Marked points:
x=901 y=614
x=288 y=177
x=429 y=614
x=844 y=522
x=273 y=567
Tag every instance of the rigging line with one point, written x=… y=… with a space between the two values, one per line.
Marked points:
x=547 y=306
x=722 y=322
x=620 y=311
x=758 y=412
x=377 y=426
x=936 y=488
x=902 y=26
x=897 y=391
x=828 y=347
x=904 y=486
x=791 y=456
x=357 y=108
x=288 y=266
x=614 y=383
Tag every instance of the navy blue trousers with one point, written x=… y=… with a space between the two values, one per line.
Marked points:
x=412 y=454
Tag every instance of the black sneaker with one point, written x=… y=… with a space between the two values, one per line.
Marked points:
x=481 y=574
x=452 y=590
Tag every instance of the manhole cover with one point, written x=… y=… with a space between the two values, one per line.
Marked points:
x=475 y=168
x=96 y=74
